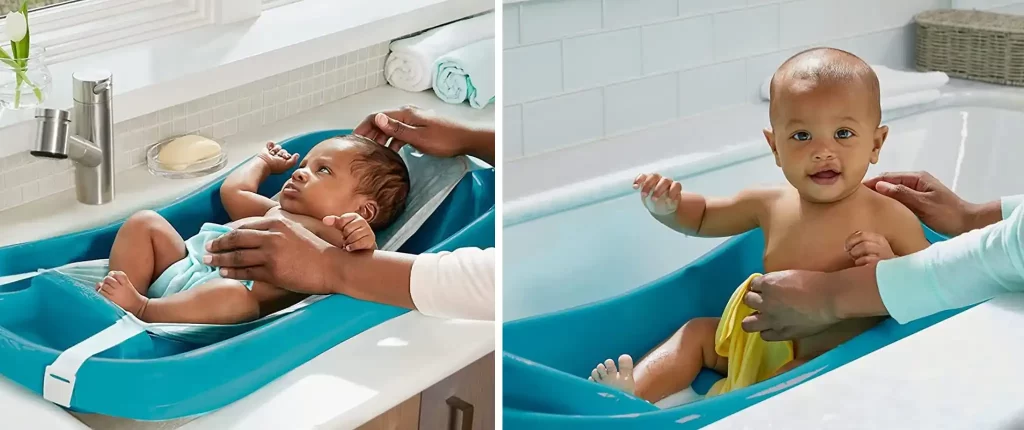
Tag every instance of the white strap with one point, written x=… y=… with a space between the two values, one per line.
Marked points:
x=59 y=379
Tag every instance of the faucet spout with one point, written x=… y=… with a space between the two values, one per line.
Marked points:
x=90 y=143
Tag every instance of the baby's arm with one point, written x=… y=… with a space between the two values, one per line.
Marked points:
x=240 y=190
x=695 y=215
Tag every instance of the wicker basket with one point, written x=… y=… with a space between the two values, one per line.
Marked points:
x=970 y=44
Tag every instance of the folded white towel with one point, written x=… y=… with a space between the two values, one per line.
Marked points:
x=409 y=64
x=892 y=82
x=466 y=73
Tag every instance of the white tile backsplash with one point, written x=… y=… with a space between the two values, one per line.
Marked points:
x=562 y=121
x=580 y=70
x=553 y=19
x=640 y=103
x=532 y=72
x=677 y=45
x=512 y=144
x=24 y=178
x=601 y=59
x=746 y=32
x=626 y=13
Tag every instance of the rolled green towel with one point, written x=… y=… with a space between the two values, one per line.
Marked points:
x=466 y=73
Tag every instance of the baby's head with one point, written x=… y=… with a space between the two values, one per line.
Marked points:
x=349 y=174
x=825 y=114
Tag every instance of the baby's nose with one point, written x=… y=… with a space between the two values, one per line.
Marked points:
x=300 y=175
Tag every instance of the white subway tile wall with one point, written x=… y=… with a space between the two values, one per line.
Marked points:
x=577 y=71
x=24 y=178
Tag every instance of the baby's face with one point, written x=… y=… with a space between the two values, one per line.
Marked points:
x=324 y=184
x=824 y=136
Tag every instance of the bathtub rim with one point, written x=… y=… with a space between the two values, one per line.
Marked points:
x=619 y=183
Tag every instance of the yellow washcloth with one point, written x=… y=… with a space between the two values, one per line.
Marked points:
x=751 y=359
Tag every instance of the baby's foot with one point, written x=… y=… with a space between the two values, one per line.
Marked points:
x=621 y=378
x=116 y=287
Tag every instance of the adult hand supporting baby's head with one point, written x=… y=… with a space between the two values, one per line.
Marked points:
x=428 y=133
x=937 y=206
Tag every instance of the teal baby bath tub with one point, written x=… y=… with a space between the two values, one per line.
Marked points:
x=547 y=358
x=149 y=377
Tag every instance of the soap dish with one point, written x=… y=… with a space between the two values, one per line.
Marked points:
x=199 y=168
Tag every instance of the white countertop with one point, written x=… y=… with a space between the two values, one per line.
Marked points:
x=962 y=373
x=342 y=388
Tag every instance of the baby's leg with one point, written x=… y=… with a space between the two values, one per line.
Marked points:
x=220 y=301
x=145 y=246
x=674 y=364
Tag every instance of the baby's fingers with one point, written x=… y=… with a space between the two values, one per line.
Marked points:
x=362 y=241
x=675 y=190
x=663 y=186
x=339 y=222
x=649 y=184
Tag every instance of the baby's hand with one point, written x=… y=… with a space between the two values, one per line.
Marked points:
x=866 y=247
x=664 y=193
x=358 y=234
x=277 y=158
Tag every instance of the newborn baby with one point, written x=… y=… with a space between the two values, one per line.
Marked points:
x=345 y=188
x=825 y=130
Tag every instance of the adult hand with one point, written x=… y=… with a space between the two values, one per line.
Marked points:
x=427 y=132
x=936 y=206
x=423 y=130
x=277 y=251
x=789 y=305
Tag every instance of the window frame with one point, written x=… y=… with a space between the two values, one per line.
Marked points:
x=80 y=28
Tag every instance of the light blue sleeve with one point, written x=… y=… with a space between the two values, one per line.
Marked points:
x=964 y=270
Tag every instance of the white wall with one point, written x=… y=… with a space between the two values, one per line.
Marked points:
x=580 y=71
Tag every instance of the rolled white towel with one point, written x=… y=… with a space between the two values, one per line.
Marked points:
x=466 y=73
x=892 y=83
x=409 y=64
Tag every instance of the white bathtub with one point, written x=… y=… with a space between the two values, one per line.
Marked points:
x=593 y=240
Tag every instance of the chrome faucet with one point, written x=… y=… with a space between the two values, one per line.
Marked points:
x=90 y=145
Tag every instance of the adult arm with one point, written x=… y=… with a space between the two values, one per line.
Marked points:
x=958 y=272
x=459 y=284
x=963 y=270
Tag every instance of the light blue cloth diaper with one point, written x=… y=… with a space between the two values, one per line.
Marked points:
x=191 y=271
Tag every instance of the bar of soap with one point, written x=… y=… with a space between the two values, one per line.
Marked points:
x=185 y=151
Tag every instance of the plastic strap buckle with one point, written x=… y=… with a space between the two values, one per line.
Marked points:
x=59 y=378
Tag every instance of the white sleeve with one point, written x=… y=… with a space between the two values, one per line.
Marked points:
x=458 y=284
x=1009 y=203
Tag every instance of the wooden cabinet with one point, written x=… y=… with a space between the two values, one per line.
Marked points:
x=463 y=401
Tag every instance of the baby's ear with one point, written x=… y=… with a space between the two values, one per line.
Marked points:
x=369 y=210
x=770 y=137
x=879 y=138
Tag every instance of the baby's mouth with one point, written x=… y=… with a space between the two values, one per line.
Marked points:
x=826 y=177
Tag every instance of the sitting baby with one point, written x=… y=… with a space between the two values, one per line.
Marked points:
x=825 y=130
x=351 y=183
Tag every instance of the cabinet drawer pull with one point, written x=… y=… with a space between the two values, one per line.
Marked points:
x=456 y=404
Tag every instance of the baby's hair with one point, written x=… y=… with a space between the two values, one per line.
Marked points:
x=828 y=66
x=382 y=176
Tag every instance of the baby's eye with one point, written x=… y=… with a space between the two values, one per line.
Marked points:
x=843 y=134
x=802 y=136
x=324 y=169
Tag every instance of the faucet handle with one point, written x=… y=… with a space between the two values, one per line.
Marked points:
x=92 y=86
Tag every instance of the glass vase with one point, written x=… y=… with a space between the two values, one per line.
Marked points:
x=24 y=84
